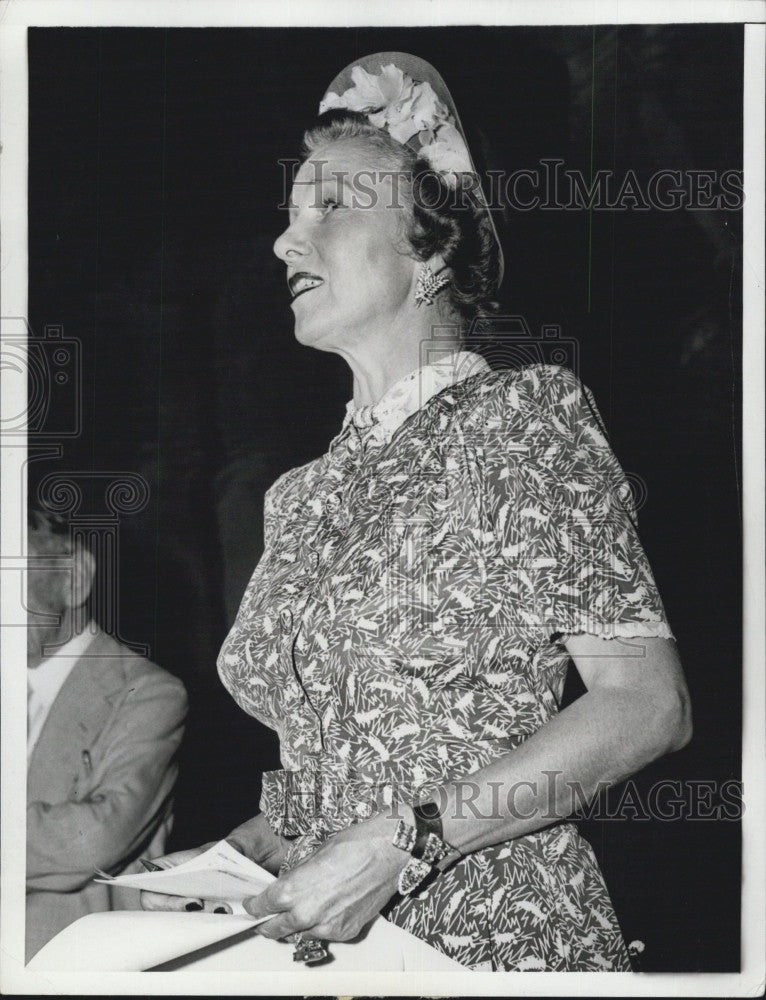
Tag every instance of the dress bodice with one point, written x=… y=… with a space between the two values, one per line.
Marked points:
x=407 y=624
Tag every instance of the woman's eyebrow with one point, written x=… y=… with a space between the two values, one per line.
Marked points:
x=337 y=180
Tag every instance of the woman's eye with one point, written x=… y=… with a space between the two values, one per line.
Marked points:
x=329 y=205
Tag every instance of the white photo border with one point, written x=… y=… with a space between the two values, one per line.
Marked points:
x=15 y=17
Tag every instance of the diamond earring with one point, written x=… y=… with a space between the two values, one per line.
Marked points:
x=429 y=284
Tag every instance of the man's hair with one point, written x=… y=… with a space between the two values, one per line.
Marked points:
x=50 y=531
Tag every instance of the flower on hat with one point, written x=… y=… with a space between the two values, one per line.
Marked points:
x=447 y=153
x=371 y=92
x=416 y=109
x=405 y=109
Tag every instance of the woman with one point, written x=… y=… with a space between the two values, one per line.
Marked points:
x=425 y=583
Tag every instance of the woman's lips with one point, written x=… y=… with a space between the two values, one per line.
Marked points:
x=302 y=282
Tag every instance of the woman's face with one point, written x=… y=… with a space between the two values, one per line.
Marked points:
x=348 y=265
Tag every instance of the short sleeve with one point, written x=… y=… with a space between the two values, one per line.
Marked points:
x=563 y=516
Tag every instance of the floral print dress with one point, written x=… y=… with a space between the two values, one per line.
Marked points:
x=406 y=625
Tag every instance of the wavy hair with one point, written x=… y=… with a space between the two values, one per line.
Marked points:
x=450 y=222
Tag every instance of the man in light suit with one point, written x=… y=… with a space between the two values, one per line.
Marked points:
x=104 y=725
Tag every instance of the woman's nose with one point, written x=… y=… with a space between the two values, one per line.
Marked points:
x=290 y=243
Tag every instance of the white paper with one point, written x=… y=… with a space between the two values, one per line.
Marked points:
x=220 y=874
x=131 y=940
x=137 y=940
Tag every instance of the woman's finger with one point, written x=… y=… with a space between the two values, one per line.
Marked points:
x=279 y=927
x=335 y=932
x=181 y=857
x=267 y=903
x=161 y=901
x=216 y=906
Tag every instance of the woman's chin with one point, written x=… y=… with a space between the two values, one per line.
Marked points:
x=309 y=334
x=302 y=334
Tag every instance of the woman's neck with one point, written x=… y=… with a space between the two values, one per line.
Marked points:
x=379 y=363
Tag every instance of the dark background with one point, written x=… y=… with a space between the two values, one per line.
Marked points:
x=153 y=191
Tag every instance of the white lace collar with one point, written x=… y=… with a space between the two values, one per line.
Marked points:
x=412 y=392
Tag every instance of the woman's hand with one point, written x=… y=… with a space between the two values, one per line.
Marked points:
x=255 y=839
x=161 y=901
x=334 y=893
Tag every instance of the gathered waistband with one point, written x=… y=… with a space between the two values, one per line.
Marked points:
x=328 y=794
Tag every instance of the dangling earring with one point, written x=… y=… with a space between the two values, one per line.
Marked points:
x=429 y=284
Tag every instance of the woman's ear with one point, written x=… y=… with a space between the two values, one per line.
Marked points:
x=436 y=263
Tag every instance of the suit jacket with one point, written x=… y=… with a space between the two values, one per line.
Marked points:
x=99 y=785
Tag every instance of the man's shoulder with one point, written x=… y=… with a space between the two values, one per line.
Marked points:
x=119 y=666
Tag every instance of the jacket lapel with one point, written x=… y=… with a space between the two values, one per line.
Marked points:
x=77 y=717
